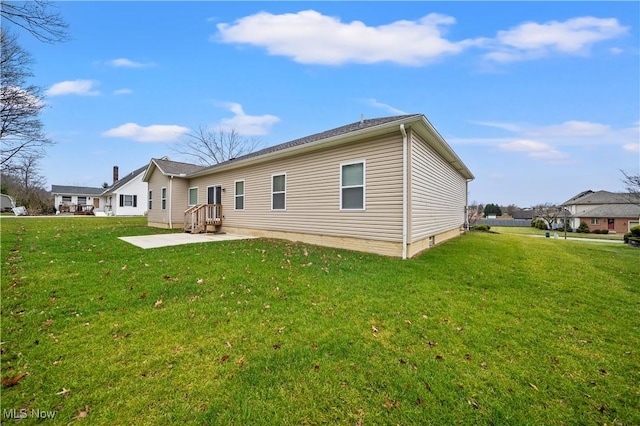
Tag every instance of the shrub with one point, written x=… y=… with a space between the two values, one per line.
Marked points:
x=584 y=228
x=539 y=223
x=596 y=231
x=633 y=233
x=604 y=231
x=481 y=228
x=634 y=241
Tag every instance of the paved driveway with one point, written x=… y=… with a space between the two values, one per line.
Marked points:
x=165 y=240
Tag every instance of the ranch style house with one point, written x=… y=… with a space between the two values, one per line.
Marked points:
x=391 y=186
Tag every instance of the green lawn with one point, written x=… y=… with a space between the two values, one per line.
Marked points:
x=484 y=329
x=528 y=230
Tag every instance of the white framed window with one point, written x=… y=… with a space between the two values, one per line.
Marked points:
x=82 y=201
x=66 y=198
x=279 y=192
x=352 y=185
x=238 y=195
x=163 y=198
x=193 y=196
x=595 y=221
x=150 y=200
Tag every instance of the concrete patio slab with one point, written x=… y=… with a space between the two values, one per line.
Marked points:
x=165 y=240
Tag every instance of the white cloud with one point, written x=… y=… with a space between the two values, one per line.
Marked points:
x=631 y=147
x=524 y=145
x=124 y=91
x=534 y=149
x=572 y=128
x=533 y=40
x=244 y=124
x=73 y=87
x=313 y=38
x=549 y=142
x=128 y=63
x=572 y=132
x=374 y=103
x=153 y=133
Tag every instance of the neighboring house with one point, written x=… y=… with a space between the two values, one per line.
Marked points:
x=389 y=185
x=525 y=214
x=126 y=197
x=68 y=198
x=604 y=210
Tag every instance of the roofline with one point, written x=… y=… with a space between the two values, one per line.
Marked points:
x=446 y=151
x=341 y=139
x=125 y=180
x=149 y=171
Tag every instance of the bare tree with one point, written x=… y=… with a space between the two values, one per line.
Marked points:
x=548 y=212
x=209 y=147
x=21 y=130
x=474 y=212
x=25 y=183
x=632 y=185
x=37 y=18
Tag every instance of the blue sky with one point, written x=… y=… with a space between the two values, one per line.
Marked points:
x=540 y=100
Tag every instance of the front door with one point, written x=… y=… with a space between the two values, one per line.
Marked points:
x=96 y=202
x=610 y=224
x=214 y=196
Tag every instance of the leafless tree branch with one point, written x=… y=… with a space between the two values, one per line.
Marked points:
x=208 y=147
x=21 y=130
x=37 y=18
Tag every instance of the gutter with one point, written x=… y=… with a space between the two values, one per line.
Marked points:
x=404 y=191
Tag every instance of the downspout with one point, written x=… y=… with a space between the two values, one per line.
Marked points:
x=170 y=198
x=467 y=225
x=404 y=191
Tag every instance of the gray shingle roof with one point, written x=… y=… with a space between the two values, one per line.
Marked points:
x=599 y=197
x=338 y=131
x=76 y=190
x=176 y=168
x=612 y=211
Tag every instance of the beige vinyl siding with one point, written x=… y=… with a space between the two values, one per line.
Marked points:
x=178 y=192
x=177 y=201
x=313 y=192
x=156 y=182
x=438 y=192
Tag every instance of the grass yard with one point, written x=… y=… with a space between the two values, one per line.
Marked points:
x=484 y=329
x=528 y=230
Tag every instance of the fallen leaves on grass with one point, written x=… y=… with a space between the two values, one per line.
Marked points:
x=390 y=405
x=8 y=382
x=48 y=322
x=63 y=392
x=534 y=387
x=82 y=413
x=158 y=303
